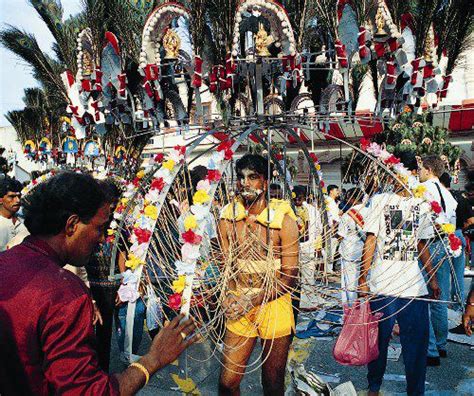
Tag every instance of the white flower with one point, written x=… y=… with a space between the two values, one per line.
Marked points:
x=203 y=185
x=200 y=211
x=175 y=156
x=138 y=250
x=153 y=196
x=130 y=277
x=190 y=252
x=128 y=292
x=186 y=267
x=117 y=216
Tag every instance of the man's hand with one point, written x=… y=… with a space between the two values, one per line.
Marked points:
x=435 y=290
x=468 y=319
x=236 y=306
x=170 y=342
x=97 y=316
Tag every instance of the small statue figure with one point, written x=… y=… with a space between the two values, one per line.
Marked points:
x=171 y=44
x=262 y=41
x=380 y=22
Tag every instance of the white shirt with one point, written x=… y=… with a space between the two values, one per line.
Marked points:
x=352 y=234
x=448 y=216
x=396 y=221
x=8 y=231
x=333 y=210
x=315 y=227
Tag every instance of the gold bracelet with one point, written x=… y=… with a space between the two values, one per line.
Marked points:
x=143 y=369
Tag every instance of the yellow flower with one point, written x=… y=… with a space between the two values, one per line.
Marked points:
x=124 y=201
x=141 y=174
x=151 y=211
x=133 y=262
x=43 y=177
x=318 y=167
x=200 y=197
x=169 y=164
x=448 y=228
x=419 y=191
x=110 y=232
x=179 y=284
x=190 y=222
x=293 y=195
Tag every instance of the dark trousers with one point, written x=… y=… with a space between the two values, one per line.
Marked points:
x=105 y=300
x=412 y=317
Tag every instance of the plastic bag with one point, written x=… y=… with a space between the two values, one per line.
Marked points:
x=154 y=310
x=357 y=345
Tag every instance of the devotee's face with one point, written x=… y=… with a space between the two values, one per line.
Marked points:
x=86 y=236
x=250 y=184
x=11 y=202
x=299 y=200
x=424 y=173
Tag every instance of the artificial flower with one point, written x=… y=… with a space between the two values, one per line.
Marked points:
x=436 y=207
x=157 y=184
x=129 y=277
x=174 y=301
x=180 y=149
x=293 y=195
x=392 y=160
x=133 y=262
x=179 y=284
x=191 y=237
x=454 y=242
x=151 y=211
x=201 y=197
x=139 y=250
x=321 y=183
x=448 y=228
x=225 y=145
x=279 y=156
x=374 y=149
x=169 y=164
x=128 y=293
x=185 y=267
x=203 y=185
x=141 y=174
x=190 y=252
x=143 y=236
x=110 y=232
x=228 y=154
x=200 y=211
x=318 y=167
x=152 y=196
x=190 y=222
x=159 y=158
x=364 y=143
x=419 y=191
x=213 y=175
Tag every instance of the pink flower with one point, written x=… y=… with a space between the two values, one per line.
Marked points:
x=174 y=301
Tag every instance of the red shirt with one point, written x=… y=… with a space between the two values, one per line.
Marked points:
x=46 y=334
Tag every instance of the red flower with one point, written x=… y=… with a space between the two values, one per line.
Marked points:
x=34 y=182
x=392 y=160
x=143 y=236
x=157 y=184
x=321 y=183
x=136 y=182
x=228 y=154
x=364 y=143
x=225 y=145
x=436 y=207
x=53 y=172
x=454 y=242
x=191 y=237
x=314 y=157
x=110 y=239
x=213 y=175
x=159 y=157
x=180 y=149
x=174 y=301
x=278 y=157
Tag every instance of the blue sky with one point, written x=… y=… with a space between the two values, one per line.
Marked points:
x=15 y=75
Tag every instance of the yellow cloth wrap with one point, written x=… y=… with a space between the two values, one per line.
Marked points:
x=279 y=207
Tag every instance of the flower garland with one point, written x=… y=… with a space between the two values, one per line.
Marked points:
x=417 y=189
x=144 y=217
x=32 y=184
x=194 y=226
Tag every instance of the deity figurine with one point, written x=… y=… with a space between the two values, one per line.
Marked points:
x=262 y=41
x=172 y=44
x=87 y=65
x=380 y=23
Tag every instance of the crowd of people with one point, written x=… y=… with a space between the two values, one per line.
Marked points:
x=379 y=242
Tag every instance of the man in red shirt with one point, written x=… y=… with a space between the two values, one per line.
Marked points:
x=46 y=333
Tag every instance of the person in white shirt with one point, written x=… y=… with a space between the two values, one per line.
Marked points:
x=10 y=203
x=350 y=231
x=431 y=169
x=395 y=230
x=334 y=217
x=310 y=227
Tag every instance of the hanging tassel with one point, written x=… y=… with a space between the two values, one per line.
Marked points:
x=197 y=78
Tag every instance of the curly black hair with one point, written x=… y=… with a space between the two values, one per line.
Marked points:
x=9 y=184
x=254 y=162
x=51 y=203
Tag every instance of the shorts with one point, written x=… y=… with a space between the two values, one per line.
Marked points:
x=274 y=319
